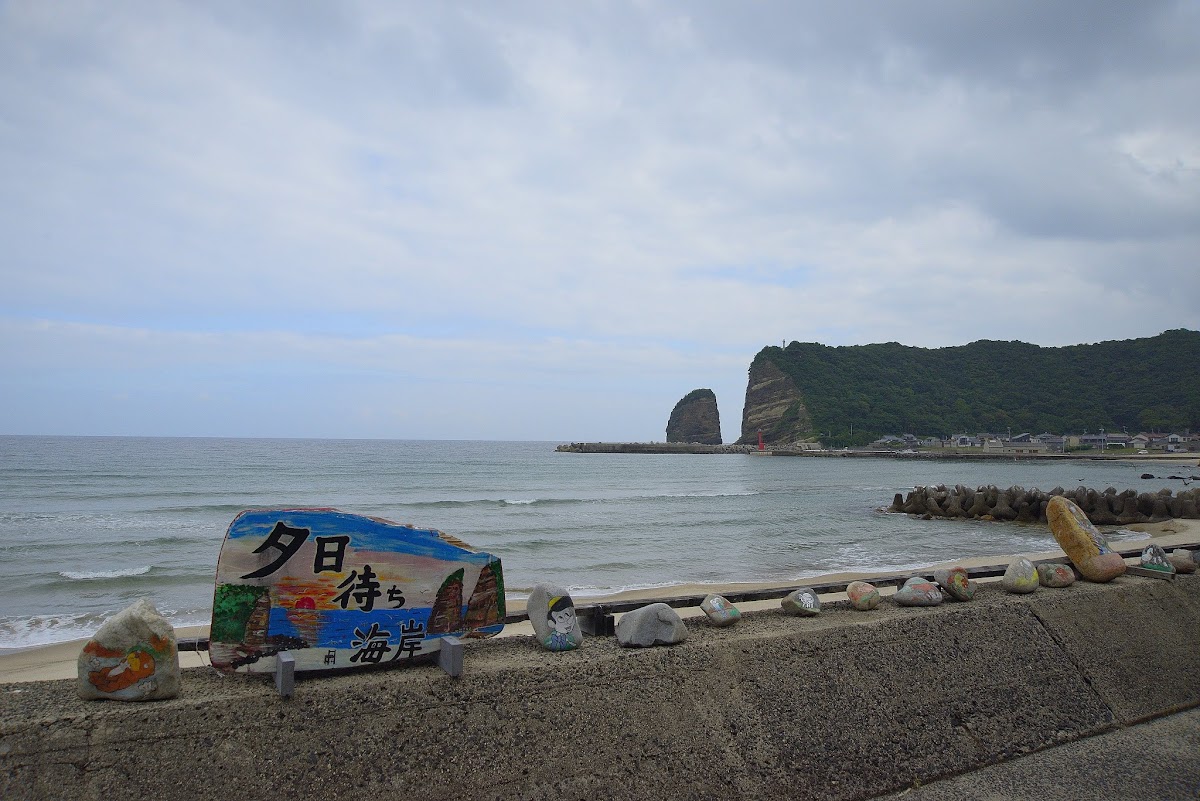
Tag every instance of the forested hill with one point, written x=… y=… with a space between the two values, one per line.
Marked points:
x=1150 y=384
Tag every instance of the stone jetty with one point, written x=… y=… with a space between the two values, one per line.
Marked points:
x=651 y=447
x=1103 y=508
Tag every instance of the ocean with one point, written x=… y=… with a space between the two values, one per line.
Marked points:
x=90 y=524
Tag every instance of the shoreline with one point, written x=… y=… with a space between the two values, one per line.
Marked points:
x=56 y=661
x=970 y=454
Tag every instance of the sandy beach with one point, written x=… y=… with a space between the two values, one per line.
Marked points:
x=58 y=661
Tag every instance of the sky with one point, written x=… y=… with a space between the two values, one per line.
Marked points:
x=552 y=220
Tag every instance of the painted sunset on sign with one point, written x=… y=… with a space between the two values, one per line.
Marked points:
x=340 y=590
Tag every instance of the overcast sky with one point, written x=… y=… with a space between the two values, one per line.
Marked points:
x=552 y=220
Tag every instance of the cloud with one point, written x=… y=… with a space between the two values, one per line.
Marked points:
x=555 y=199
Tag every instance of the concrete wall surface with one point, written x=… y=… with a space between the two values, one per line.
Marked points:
x=846 y=705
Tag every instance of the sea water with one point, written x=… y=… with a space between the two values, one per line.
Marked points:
x=90 y=524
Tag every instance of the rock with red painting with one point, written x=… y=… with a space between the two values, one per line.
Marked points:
x=1055 y=575
x=918 y=591
x=863 y=596
x=132 y=657
x=956 y=583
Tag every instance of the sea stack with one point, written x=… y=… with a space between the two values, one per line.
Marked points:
x=695 y=419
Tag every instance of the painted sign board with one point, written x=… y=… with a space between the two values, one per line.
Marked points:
x=340 y=590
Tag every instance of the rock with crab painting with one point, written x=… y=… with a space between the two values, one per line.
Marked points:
x=719 y=611
x=803 y=602
x=132 y=657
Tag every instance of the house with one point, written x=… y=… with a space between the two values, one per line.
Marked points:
x=1120 y=440
x=1053 y=442
x=1139 y=441
x=1156 y=440
x=1015 y=448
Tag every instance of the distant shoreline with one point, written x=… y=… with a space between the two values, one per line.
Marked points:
x=942 y=453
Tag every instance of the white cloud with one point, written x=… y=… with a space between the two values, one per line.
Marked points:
x=625 y=195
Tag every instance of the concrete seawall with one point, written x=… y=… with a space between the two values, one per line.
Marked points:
x=847 y=705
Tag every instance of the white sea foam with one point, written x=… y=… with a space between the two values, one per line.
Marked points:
x=85 y=575
x=28 y=632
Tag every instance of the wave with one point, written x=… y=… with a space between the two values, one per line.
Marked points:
x=90 y=575
x=452 y=504
x=448 y=504
x=38 y=630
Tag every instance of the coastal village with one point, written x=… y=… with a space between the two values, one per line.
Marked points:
x=1121 y=442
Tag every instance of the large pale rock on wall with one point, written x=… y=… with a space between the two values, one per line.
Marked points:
x=695 y=419
x=774 y=406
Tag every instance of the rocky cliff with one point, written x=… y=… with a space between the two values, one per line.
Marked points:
x=695 y=419
x=774 y=406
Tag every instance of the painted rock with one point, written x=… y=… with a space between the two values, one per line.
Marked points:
x=1082 y=542
x=133 y=657
x=918 y=591
x=339 y=590
x=1183 y=560
x=552 y=615
x=1055 y=575
x=1155 y=558
x=863 y=596
x=803 y=602
x=656 y=624
x=719 y=611
x=954 y=581
x=1020 y=577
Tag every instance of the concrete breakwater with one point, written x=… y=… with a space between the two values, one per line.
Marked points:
x=847 y=705
x=651 y=447
x=1104 y=508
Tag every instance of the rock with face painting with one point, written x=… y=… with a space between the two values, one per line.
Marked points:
x=918 y=591
x=803 y=602
x=1020 y=577
x=954 y=581
x=552 y=615
x=863 y=596
x=1055 y=575
x=1155 y=558
x=1085 y=546
x=1183 y=560
x=133 y=657
x=719 y=611
x=656 y=624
